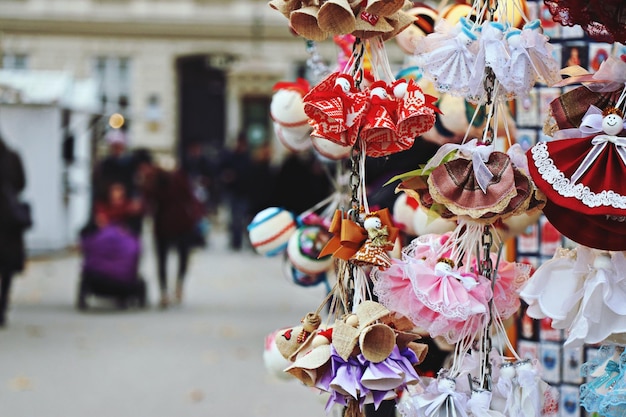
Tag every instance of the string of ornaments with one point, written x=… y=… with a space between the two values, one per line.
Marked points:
x=455 y=285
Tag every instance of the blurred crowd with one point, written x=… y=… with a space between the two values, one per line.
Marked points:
x=183 y=204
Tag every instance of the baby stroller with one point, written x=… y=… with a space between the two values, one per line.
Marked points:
x=110 y=267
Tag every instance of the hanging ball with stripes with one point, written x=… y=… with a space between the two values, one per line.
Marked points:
x=270 y=230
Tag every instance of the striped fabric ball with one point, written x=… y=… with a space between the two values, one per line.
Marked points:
x=270 y=230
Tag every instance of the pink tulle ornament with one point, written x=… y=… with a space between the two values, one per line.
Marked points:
x=435 y=296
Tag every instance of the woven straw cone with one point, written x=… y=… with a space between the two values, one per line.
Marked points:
x=400 y=21
x=377 y=342
x=306 y=367
x=404 y=338
x=285 y=7
x=369 y=312
x=286 y=341
x=304 y=23
x=365 y=30
x=420 y=350
x=383 y=7
x=345 y=338
x=399 y=322
x=336 y=17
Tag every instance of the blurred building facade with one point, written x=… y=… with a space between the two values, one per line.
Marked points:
x=177 y=70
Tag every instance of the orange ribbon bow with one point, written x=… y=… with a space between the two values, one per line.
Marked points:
x=349 y=236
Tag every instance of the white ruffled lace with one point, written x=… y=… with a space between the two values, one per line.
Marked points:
x=564 y=186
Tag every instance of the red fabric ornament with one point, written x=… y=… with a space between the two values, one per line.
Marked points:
x=603 y=21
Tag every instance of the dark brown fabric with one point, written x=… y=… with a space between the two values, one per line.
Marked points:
x=569 y=108
x=456 y=182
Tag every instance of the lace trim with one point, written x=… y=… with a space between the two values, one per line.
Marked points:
x=553 y=176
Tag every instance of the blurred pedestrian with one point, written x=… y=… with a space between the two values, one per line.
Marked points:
x=236 y=177
x=118 y=208
x=175 y=212
x=261 y=181
x=201 y=171
x=117 y=167
x=12 y=251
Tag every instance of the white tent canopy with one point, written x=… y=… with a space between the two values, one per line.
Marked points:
x=32 y=107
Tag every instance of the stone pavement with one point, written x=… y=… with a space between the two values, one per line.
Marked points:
x=203 y=358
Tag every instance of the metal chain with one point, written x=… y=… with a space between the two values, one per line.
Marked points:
x=489 y=85
x=485 y=267
x=358 y=51
x=355 y=181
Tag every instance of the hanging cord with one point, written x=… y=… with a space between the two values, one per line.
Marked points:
x=520 y=10
x=380 y=61
x=620 y=101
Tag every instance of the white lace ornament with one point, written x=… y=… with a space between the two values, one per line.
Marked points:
x=518 y=76
x=492 y=53
x=540 y=52
x=450 y=65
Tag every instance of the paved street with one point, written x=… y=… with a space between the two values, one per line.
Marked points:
x=203 y=358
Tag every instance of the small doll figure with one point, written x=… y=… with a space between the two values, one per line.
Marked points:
x=448 y=57
x=441 y=399
x=580 y=175
x=374 y=250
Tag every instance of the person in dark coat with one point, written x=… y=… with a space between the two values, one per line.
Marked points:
x=12 y=251
x=175 y=213
x=236 y=176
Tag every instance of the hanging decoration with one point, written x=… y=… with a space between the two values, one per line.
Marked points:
x=454 y=285
x=579 y=170
x=317 y=20
x=603 y=22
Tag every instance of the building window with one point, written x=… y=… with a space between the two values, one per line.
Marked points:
x=256 y=122
x=15 y=61
x=114 y=82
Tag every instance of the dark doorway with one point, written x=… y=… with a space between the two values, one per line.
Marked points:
x=202 y=95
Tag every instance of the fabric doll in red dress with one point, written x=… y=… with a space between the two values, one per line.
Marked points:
x=581 y=173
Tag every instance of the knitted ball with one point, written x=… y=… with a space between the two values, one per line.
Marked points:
x=287 y=108
x=274 y=361
x=270 y=230
x=306 y=280
x=304 y=248
x=518 y=224
x=296 y=139
x=403 y=212
x=329 y=149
